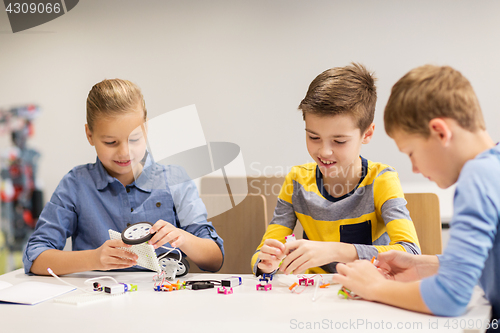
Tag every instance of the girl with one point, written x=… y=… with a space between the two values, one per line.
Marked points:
x=109 y=194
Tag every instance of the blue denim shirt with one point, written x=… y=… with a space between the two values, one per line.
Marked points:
x=88 y=201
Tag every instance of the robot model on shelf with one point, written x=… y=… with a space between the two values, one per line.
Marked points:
x=20 y=196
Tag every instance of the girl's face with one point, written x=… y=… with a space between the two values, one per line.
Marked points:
x=120 y=144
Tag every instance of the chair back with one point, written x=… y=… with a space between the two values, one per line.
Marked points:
x=424 y=212
x=241 y=228
x=269 y=187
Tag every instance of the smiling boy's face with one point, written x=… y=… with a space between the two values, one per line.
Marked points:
x=334 y=142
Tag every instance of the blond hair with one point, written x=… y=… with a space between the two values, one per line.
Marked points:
x=113 y=97
x=429 y=92
x=343 y=90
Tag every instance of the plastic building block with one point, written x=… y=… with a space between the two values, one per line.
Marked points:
x=179 y=285
x=224 y=290
x=306 y=282
x=264 y=281
x=119 y=288
x=233 y=281
x=164 y=287
x=293 y=287
x=265 y=287
x=268 y=276
x=347 y=294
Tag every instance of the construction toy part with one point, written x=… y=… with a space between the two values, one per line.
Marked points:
x=306 y=282
x=225 y=290
x=265 y=287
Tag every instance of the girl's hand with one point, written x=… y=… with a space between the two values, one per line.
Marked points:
x=165 y=232
x=270 y=255
x=110 y=256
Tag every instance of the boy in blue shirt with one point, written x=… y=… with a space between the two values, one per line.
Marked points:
x=434 y=117
x=123 y=186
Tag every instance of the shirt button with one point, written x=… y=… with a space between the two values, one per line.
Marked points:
x=131 y=209
x=128 y=189
x=158 y=204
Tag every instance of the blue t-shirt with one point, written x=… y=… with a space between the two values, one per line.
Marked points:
x=88 y=202
x=473 y=251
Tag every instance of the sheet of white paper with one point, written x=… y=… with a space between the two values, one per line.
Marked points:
x=32 y=292
x=4 y=285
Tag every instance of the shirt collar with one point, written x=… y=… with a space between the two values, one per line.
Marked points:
x=102 y=178
x=324 y=192
x=145 y=182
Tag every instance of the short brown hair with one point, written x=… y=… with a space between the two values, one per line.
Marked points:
x=112 y=98
x=343 y=90
x=429 y=92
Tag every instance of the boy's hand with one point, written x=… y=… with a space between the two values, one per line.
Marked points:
x=303 y=254
x=110 y=256
x=270 y=255
x=361 y=277
x=166 y=233
x=405 y=267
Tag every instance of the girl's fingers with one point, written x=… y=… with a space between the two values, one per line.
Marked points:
x=157 y=226
x=161 y=234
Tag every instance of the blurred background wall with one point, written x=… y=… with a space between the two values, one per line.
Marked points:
x=245 y=64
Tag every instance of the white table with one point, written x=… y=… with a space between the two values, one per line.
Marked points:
x=246 y=310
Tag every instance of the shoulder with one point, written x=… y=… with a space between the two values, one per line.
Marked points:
x=488 y=161
x=482 y=171
x=160 y=174
x=378 y=169
x=80 y=173
x=380 y=172
x=175 y=174
x=384 y=182
x=304 y=175
x=73 y=183
x=302 y=172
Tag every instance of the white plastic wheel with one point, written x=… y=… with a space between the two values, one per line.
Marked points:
x=137 y=233
x=182 y=266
